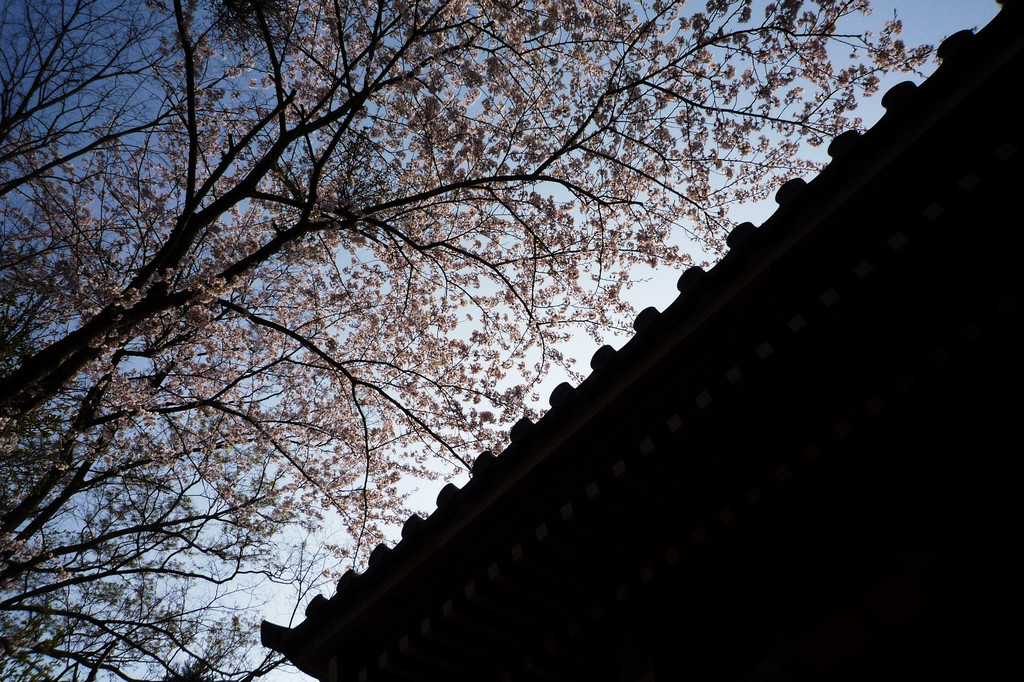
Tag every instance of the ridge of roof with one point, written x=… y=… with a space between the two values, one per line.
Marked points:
x=967 y=59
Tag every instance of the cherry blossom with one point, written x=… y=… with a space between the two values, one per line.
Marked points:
x=261 y=259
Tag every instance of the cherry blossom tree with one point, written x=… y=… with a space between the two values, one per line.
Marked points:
x=259 y=259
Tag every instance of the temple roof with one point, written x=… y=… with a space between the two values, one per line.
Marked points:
x=843 y=307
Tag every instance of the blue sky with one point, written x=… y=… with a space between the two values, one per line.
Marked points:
x=932 y=20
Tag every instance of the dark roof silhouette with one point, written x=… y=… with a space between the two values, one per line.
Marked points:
x=805 y=467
